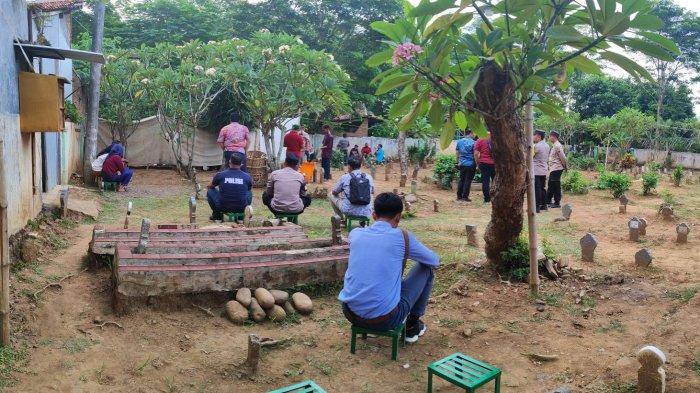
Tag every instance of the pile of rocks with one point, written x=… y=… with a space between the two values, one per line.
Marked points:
x=263 y=304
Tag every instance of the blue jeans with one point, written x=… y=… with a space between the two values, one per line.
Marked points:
x=214 y=199
x=227 y=159
x=122 y=179
x=415 y=293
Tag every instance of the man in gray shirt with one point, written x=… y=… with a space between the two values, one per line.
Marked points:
x=539 y=160
x=286 y=189
x=343 y=146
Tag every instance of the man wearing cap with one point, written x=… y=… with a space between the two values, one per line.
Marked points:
x=539 y=161
x=557 y=165
x=231 y=190
x=286 y=189
x=294 y=142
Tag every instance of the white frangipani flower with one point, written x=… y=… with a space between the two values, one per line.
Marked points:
x=198 y=68
x=284 y=49
x=299 y=41
x=210 y=71
x=145 y=81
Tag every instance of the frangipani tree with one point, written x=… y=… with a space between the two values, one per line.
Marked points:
x=181 y=81
x=277 y=77
x=519 y=52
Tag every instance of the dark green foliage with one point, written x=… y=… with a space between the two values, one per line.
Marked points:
x=617 y=183
x=384 y=130
x=516 y=260
x=677 y=174
x=582 y=162
x=649 y=182
x=445 y=170
x=72 y=113
x=337 y=159
x=574 y=182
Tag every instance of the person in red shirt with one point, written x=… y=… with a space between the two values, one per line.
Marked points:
x=483 y=157
x=114 y=169
x=366 y=150
x=294 y=142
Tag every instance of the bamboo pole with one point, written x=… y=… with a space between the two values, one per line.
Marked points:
x=531 y=220
x=4 y=256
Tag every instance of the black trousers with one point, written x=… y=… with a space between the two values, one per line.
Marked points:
x=466 y=176
x=554 y=187
x=540 y=192
x=267 y=201
x=488 y=171
x=326 y=164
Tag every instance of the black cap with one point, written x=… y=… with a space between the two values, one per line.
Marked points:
x=291 y=160
x=554 y=133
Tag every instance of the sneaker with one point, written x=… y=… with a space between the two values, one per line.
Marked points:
x=554 y=206
x=414 y=331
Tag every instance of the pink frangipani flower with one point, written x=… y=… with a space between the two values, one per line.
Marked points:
x=405 y=52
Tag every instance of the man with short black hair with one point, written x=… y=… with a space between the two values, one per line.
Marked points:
x=374 y=295
x=357 y=188
x=286 y=189
x=293 y=141
x=557 y=165
x=234 y=193
x=326 y=151
x=466 y=165
x=540 y=168
x=234 y=138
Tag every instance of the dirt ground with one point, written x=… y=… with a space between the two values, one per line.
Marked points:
x=594 y=333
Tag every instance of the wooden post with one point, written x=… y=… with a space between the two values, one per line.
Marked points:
x=63 y=199
x=193 y=210
x=531 y=223
x=336 y=230
x=143 y=237
x=436 y=206
x=4 y=256
x=253 y=354
x=128 y=213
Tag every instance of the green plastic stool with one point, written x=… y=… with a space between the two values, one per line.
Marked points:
x=364 y=221
x=293 y=218
x=235 y=217
x=465 y=372
x=307 y=386
x=110 y=186
x=396 y=334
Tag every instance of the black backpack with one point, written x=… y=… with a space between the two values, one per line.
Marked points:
x=360 y=190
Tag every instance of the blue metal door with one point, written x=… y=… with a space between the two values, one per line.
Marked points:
x=51 y=160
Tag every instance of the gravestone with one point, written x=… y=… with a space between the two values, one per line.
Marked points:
x=63 y=199
x=128 y=214
x=193 y=210
x=642 y=226
x=436 y=206
x=588 y=245
x=623 y=203
x=143 y=236
x=682 y=231
x=651 y=377
x=566 y=211
x=643 y=257
x=414 y=186
x=336 y=227
x=634 y=225
x=471 y=235
x=667 y=212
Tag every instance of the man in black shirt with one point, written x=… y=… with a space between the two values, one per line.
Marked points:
x=234 y=191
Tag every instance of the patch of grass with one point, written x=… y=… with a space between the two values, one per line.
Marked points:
x=613 y=326
x=138 y=368
x=55 y=241
x=683 y=295
x=322 y=366
x=695 y=366
x=551 y=299
x=450 y=323
x=587 y=301
x=11 y=360
x=319 y=290
x=36 y=269
x=622 y=387
x=293 y=370
x=76 y=345
x=291 y=319
x=541 y=317
x=480 y=327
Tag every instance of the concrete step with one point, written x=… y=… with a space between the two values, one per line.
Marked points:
x=100 y=232
x=237 y=245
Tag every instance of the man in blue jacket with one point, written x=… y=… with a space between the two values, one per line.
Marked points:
x=234 y=193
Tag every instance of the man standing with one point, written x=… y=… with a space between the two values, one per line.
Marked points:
x=482 y=155
x=357 y=188
x=467 y=166
x=326 y=151
x=379 y=154
x=557 y=165
x=234 y=194
x=286 y=189
x=294 y=142
x=374 y=296
x=343 y=146
x=539 y=161
x=234 y=138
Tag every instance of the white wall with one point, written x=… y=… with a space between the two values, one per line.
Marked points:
x=391 y=146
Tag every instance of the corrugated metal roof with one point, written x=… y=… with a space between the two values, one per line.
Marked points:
x=56 y=5
x=60 y=54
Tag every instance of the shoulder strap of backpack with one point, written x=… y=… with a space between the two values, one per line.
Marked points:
x=406 y=250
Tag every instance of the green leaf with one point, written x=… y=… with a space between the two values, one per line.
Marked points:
x=548 y=109
x=380 y=58
x=628 y=65
x=666 y=43
x=401 y=105
x=407 y=121
x=393 y=82
x=436 y=115
x=390 y=30
x=564 y=33
x=428 y=8
x=476 y=124
x=460 y=120
x=447 y=20
x=615 y=24
x=469 y=82
x=447 y=135
x=585 y=65
x=649 y=48
x=646 y=22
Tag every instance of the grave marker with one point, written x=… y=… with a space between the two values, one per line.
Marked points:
x=128 y=213
x=682 y=231
x=667 y=212
x=471 y=235
x=643 y=257
x=436 y=206
x=143 y=237
x=623 y=203
x=566 y=211
x=634 y=225
x=642 y=226
x=588 y=245
x=651 y=377
x=414 y=186
x=193 y=210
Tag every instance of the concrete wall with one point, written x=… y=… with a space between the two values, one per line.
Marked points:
x=391 y=146
x=685 y=159
x=22 y=175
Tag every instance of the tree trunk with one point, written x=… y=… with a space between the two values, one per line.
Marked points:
x=403 y=158
x=495 y=94
x=271 y=159
x=93 y=104
x=531 y=209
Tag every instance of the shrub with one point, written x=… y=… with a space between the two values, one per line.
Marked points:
x=445 y=170
x=575 y=183
x=72 y=113
x=649 y=182
x=677 y=175
x=516 y=259
x=337 y=159
x=668 y=198
x=628 y=161
x=618 y=183
x=654 y=166
x=584 y=163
